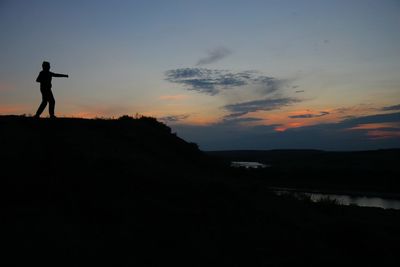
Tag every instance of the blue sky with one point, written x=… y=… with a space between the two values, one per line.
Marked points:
x=220 y=73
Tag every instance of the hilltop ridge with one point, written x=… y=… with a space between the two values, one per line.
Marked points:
x=74 y=146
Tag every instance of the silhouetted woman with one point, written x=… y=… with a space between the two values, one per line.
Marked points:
x=44 y=79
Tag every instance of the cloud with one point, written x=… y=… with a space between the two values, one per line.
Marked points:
x=363 y=128
x=251 y=85
x=214 y=55
x=184 y=73
x=309 y=115
x=231 y=120
x=243 y=108
x=248 y=119
x=174 y=118
x=376 y=118
x=206 y=80
x=356 y=109
x=383 y=134
x=391 y=108
x=327 y=136
x=380 y=130
x=268 y=85
x=377 y=125
x=382 y=126
x=212 y=82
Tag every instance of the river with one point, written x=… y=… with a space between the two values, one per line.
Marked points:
x=366 y=200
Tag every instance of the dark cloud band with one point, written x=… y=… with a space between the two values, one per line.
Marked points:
x=257 y=105
x=309 y=116
x=391 y=108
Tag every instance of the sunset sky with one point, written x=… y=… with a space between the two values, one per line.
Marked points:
x=231 y=74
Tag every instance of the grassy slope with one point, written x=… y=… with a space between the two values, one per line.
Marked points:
x=128 y=191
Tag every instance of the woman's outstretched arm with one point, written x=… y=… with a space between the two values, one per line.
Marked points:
x=59 y=75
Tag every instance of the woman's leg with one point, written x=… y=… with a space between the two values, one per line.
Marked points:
x=42 y=105
x=52 y=103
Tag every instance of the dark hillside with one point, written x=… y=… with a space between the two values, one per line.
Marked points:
x=76 y=147
x=128 y=192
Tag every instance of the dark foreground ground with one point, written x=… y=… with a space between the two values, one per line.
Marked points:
x=129 y=192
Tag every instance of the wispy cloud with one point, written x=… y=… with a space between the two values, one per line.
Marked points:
x=309 y=115
x=214 y=55
x=212 y=82
x=355 y=111
x=267 y=104
x=232 y=120
x=375 y=126
x=391 y=108
x=267 y=85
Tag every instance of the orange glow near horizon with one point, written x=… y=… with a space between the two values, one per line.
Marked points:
x=84 y=115
x=280 y=118
x=284 y=127
x=12 y=109
x=280 y=129
x=284 y=122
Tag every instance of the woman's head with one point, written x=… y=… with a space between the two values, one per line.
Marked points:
x=46 y=65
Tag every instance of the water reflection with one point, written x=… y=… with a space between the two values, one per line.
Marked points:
x=363 y=201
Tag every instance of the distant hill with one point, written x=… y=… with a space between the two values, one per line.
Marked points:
x=128 y=191
x=302 y=155
x=376 y=170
